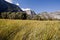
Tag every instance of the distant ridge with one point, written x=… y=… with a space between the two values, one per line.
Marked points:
x=51 y=15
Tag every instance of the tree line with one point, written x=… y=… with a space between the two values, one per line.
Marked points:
x=21 y=15
x=13 y=15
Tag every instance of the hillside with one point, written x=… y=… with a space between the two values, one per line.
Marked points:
x=11 y=11
x=29 y=30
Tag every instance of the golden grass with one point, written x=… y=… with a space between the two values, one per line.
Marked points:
x=29 y=30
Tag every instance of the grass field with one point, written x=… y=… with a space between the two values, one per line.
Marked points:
x=29 y=30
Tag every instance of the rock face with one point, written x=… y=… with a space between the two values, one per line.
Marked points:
x=8 y=7
x=30 y=12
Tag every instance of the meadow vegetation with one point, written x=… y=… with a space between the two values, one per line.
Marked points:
x=29 y=30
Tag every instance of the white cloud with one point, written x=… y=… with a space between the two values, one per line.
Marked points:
x=17 y=4
x=9 y=1
x=26 y=9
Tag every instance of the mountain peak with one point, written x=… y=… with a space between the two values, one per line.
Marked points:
x=6 y=7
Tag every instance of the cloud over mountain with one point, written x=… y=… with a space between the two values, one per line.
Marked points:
x=26 y=9
x=9 y=1
x=17 y=4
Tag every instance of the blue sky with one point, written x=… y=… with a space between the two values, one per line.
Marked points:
x=39 y=5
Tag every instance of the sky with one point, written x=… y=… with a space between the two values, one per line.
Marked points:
x=38 y=5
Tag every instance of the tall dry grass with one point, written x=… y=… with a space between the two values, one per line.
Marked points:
x=29 y=30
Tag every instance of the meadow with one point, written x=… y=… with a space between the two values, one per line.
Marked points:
x=29 y=30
